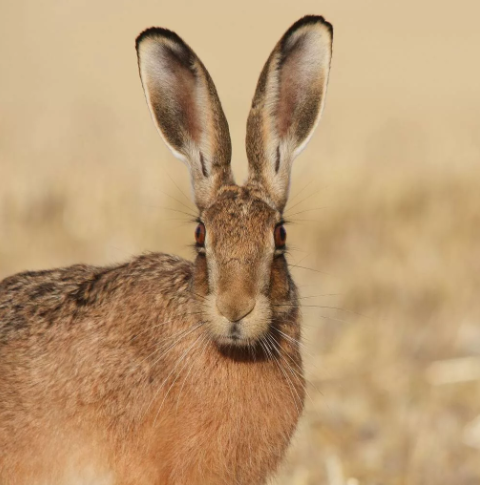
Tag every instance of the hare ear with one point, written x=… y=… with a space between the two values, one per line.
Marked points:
x=287 y=104
x=185 y=107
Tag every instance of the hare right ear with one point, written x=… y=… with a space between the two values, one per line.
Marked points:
x=185 y=107
x=287 y=104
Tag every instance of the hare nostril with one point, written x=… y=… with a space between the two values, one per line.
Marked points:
x=233 y=308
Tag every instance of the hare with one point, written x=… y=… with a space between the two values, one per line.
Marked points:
x=163 y=371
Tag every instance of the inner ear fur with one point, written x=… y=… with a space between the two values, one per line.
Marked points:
x=287 y=104
x=186 y=109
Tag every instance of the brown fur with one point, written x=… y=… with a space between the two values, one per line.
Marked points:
x=130 y=375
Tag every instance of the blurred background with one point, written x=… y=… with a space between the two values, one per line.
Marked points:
x=384 y=208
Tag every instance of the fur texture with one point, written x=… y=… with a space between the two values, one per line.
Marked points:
x=162 y=371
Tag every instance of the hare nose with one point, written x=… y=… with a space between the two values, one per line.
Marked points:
x=234 y=308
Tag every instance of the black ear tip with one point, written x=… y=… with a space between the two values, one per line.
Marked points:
x=309 y=20
x=157 y=32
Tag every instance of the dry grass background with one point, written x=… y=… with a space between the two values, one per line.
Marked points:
x=385 y=208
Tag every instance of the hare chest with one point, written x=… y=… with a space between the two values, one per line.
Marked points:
x=232 y=425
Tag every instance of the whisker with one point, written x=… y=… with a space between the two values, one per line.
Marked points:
x=339 y=309
x=178 y=188
x=294 y=248
x=308 y=210
x=143 y=414
x=300 y=192
x=193 y=216
x=315 y=296
x=176 y=200
x=205 y=345
x=290 y=385
x=199 y=296
x=165 y=322
x=183 y=356
x=165 y=380
x=296 y=371
x=181 y=335
x=301 y=201
x=265 y=349
x=172 y=346
x=309 y=269
x=288 y=337
x=296 y=221
x=321 y=316
x=182 y=212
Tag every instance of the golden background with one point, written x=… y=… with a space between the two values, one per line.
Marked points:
x=385 y=203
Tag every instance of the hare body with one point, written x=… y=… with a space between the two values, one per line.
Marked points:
x=85 y=394
x=162 y=371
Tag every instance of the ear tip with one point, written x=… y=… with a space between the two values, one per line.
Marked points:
x=309 y=20
x=157 y=32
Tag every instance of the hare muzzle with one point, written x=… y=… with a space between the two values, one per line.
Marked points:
x=238 y=321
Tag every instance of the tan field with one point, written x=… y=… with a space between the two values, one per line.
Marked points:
x=384 y=211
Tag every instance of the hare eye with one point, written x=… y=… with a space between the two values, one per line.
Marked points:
x=280 y=236
x=200 y=234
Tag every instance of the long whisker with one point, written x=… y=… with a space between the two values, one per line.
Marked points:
x=325 y=317
x=181 y=335
x=165 y=322
x=174 y=344
x=328 y=307
x=175 y=199
x=288 y=337
x=179 y=201
x=163 y=352
x=296 y=371
x=309 y=269
x=182 y=212
x=205 y=345
x=301 y=191
x=266 y=350
x=308 y=210
x=301 y=201
x=178 y=188
x=183 y=357
x=315 y=296
x=290 y=385
x=199 y=296
x=193 y=216
x=337 y=308
x=166 y=379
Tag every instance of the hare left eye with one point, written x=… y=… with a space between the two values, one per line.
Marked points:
x=280 y=236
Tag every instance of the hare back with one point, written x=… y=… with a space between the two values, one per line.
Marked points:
x=34 y=300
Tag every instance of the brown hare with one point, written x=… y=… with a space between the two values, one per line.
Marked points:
x=162 y=371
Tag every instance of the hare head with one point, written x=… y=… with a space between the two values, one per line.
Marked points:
x=241 y=279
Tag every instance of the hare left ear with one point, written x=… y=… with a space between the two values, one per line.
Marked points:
x=287 y=104
x=185 y=107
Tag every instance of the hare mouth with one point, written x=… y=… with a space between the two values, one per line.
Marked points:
x=239 y=334
x=233 y=340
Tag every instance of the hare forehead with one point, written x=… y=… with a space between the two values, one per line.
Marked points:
x=242 y=223
x=238 y=207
